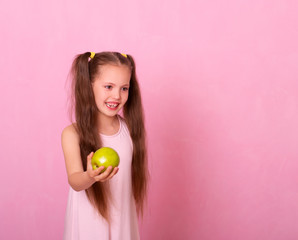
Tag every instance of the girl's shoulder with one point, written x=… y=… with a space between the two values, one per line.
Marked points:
x=123 y=121
x=123 y=124
x=70 y=132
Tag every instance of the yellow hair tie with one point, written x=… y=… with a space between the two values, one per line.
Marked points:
x=124 y=55
x=92 y=54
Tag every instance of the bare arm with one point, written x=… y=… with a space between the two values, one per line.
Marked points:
x=79 y=179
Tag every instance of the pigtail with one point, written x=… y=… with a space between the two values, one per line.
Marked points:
x=86 y=118
x=133 y=113
x=85 y=111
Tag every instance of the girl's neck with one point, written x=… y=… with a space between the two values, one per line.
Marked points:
x=108 y=125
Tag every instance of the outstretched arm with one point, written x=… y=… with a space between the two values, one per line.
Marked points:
x=79 y=179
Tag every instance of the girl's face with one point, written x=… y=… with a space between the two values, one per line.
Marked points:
x=110 y=89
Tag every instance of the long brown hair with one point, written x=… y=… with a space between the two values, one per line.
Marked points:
x=84 y=72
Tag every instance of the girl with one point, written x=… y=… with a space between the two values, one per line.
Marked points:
x=105 y=205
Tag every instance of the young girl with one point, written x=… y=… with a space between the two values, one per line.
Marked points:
x=105 y=205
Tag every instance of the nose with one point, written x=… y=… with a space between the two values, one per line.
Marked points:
x=116 y=94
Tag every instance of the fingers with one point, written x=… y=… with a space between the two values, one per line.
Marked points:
x=112 y=174
x=97 y=171
x=89 y=157
x=107 y=174
x=103 y=176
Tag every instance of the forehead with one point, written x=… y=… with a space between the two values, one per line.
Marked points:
x=114 y=73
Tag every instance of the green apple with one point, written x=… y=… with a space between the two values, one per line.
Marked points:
x=105 y=156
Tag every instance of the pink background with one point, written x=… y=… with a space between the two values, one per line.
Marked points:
x=220 y=91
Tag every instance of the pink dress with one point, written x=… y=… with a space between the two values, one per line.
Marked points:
x=82 y=221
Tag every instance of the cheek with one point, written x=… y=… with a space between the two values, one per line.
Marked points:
x=125 y=97
x=99 y=94
x=99 y=99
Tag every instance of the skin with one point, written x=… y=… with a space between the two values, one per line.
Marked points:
x=110 y=87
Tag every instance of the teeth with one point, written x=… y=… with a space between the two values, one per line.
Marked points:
x=111 y=105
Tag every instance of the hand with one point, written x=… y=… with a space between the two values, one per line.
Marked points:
x=96 y=174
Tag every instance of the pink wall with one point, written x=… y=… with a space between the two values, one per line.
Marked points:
x=219 y=83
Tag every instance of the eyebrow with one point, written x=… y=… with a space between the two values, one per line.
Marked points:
x=109 y=83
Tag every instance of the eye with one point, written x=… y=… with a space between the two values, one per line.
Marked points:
x=108 y=87
x=125 y=89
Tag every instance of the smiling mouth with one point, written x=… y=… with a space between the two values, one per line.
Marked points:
x=112 y=105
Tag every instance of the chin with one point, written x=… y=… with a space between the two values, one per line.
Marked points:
x=109 y=114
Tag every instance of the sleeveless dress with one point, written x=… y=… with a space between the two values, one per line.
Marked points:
x=82 y=220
